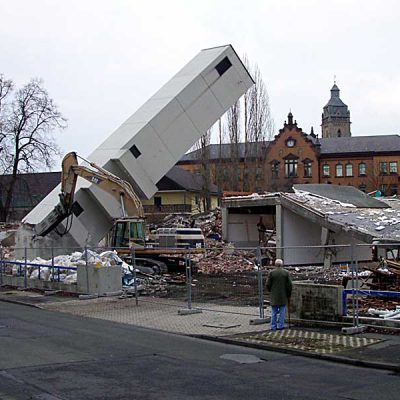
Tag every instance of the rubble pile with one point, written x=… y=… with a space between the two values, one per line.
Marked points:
x=104 y=259
x=385 y=276
x=226 y=261
x=208 y=222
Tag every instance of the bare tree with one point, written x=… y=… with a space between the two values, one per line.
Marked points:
x=259 y=126
x=205 y=170
x=250 y=120
x=27 y=121
x=233 y=117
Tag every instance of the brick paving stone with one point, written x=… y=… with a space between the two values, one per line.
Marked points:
x=162 y=314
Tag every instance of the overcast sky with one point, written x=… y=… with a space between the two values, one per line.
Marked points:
x=100 y=60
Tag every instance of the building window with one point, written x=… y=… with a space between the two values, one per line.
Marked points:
x=393 y=167
x=363 y=187
x=238 y=174
x=362 y=169
x=349 y=169
x=246 y=173
x=275 y=169
x=325 y=170
x=223 y=66
x=393 y=189
x=158 y=202
x=290 y=168
x=339 y=170
x=258 y=173
x=135 y=151
x=383 y=168
x=307 y=168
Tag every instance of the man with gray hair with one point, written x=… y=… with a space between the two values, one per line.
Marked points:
x=279 y=285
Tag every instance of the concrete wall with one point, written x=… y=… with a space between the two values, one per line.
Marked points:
x=90 y=280
x=316 y=302
x=242 y=228
x=18 y=281
x=298 y=231
x=99 y=280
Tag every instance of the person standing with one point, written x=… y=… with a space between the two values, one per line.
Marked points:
x=261 y=231
x=279 y=285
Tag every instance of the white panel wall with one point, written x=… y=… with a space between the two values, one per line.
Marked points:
x=298 y=231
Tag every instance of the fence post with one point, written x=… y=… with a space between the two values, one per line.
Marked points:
x=25 y=266
x=189 y=280
x=1 y=265
x=357 y=287
x=133 y=259
x=87 y=272
x=353 y=299
x=261 y=319
x=52 y=263
x=356 y=328
x=188 y=273
x=260 y=284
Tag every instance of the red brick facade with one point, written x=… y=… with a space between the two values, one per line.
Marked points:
x=294 y=157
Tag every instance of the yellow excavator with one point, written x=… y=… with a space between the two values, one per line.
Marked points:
x=129 y=231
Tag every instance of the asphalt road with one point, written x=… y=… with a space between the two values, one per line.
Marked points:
x=51 y=356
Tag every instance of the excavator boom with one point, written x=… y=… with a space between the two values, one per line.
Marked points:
x=119 y=189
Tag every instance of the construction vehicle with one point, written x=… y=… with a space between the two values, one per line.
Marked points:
x=129 y=231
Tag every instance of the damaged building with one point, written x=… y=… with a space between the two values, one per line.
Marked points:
x=312 y=217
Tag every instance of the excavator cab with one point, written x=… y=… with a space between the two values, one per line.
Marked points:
x=128 y=232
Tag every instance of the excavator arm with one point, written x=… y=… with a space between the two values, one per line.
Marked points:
x=121 y=190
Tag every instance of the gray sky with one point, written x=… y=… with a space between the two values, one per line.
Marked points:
x=100 y=60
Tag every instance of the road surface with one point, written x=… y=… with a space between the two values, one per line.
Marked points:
x=46 y=355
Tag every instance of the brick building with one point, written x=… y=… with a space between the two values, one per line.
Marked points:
x=368 y=163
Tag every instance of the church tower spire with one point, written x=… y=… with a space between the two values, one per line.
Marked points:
x=335 y=116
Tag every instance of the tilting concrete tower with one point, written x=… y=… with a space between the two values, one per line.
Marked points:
x=148 y=144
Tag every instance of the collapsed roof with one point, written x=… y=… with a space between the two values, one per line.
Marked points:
x=368 y=219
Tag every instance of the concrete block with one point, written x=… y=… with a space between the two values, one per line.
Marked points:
x=316 y=302
x=352 y=330
x=94 y=280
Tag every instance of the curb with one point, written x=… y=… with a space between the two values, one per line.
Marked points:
x=301 y=353
x=21 y=303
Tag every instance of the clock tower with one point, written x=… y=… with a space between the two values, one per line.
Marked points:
x=335 y=116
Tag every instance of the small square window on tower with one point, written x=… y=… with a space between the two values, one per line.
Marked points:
x=135 y=151
x=223 y=66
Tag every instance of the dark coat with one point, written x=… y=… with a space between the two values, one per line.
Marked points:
x=279 y=285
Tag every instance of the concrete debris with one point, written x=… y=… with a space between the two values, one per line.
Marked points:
x=386 y=314
x=104 y=259
x=210 y=223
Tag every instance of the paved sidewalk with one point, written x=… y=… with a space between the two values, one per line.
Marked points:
x=228 y=324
